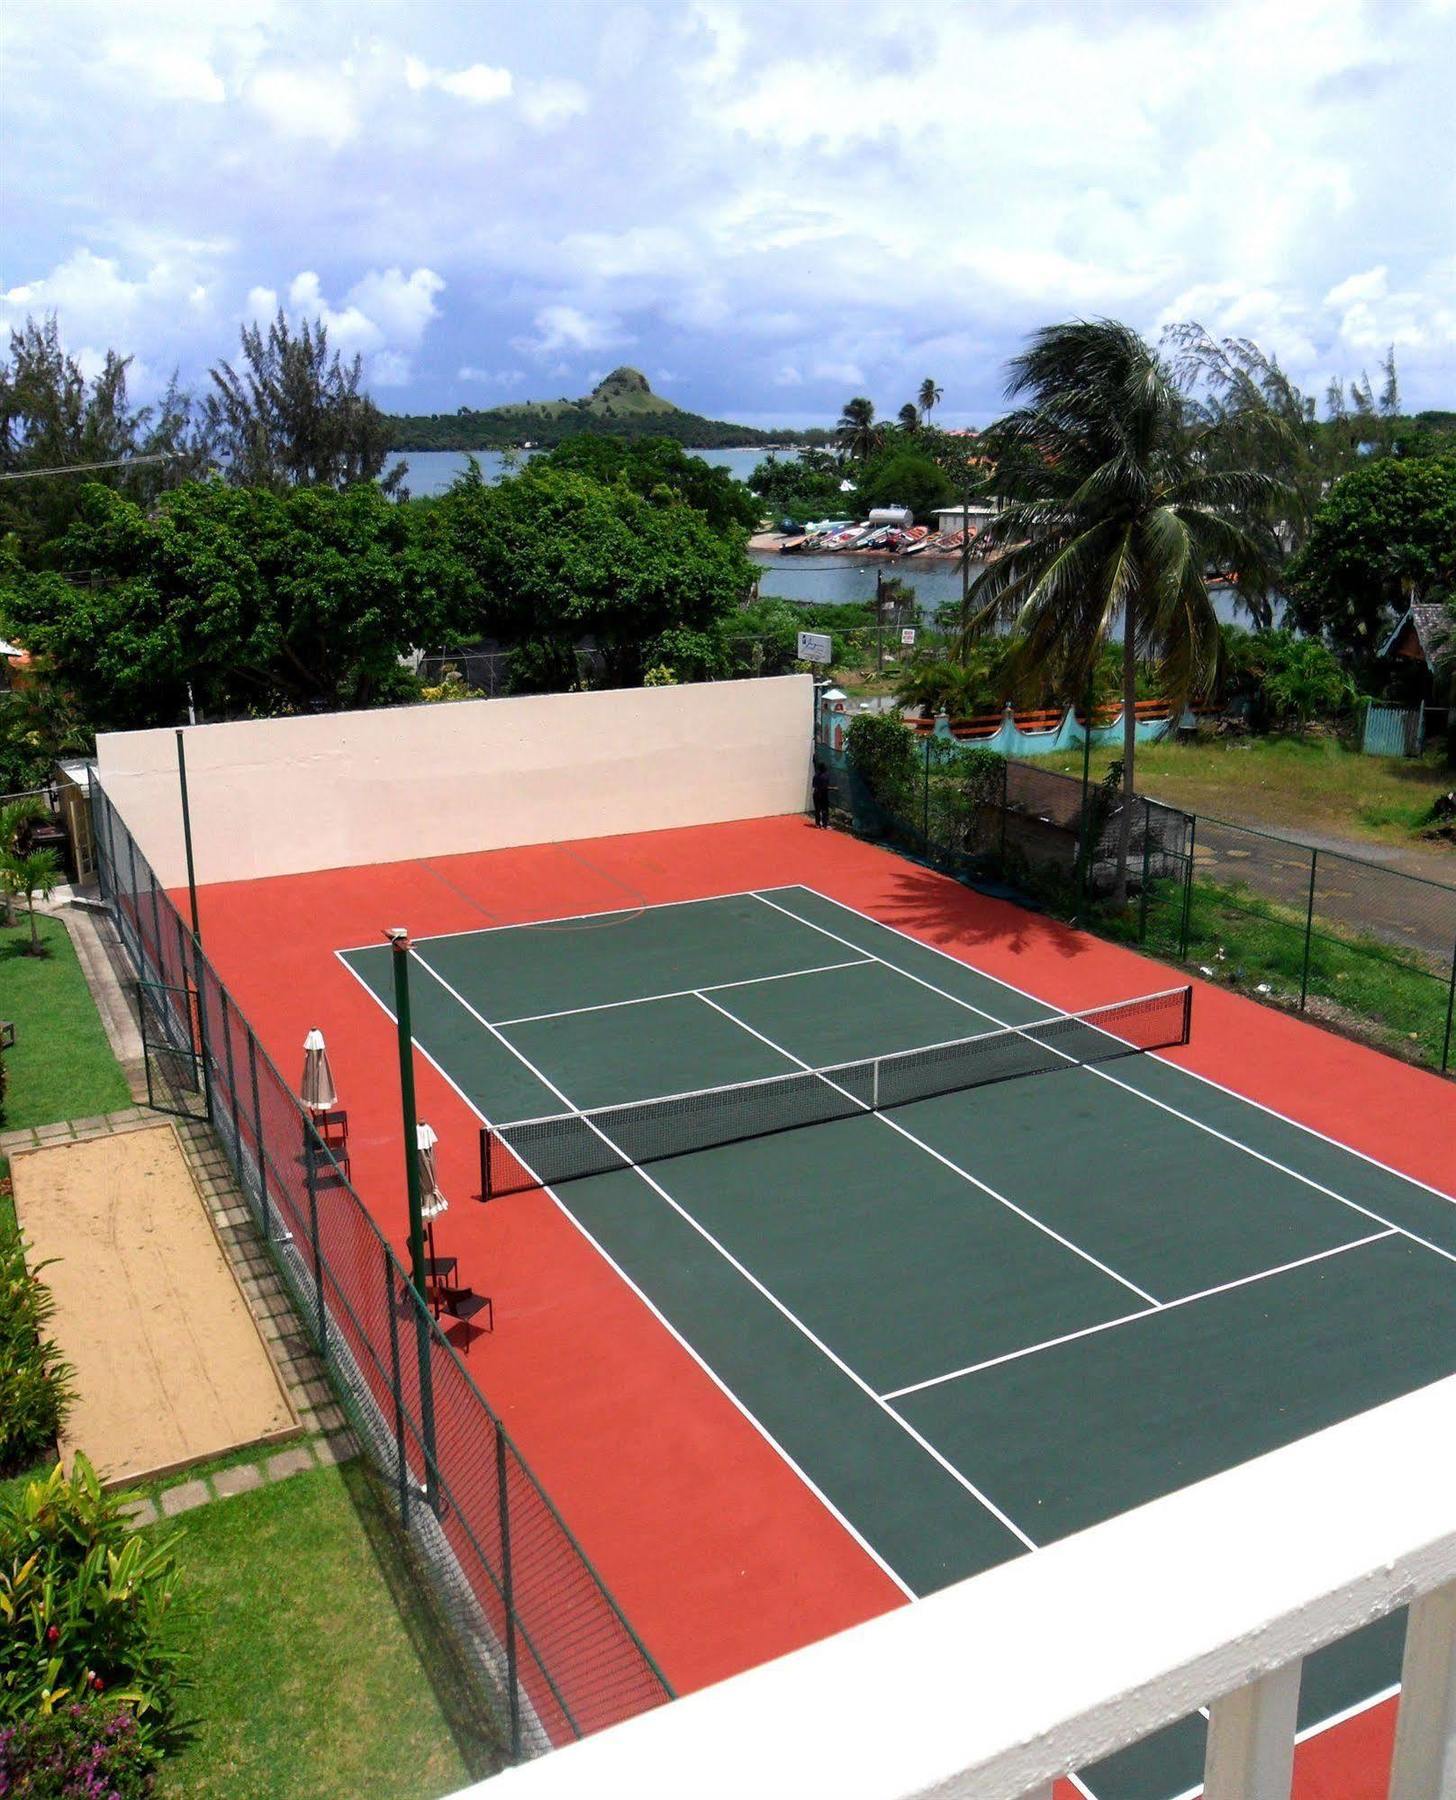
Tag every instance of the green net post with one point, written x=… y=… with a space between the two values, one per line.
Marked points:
x=1308 y=931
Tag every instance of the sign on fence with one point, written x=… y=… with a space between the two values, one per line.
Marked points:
x=815 y=647
x=907 y=636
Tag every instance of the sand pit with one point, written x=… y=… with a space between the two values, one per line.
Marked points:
x=170 y=1368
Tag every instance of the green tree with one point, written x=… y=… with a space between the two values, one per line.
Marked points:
x=928 y=398
x=243 y=600
x=23 y=875
x=903 y=477
x=294 y=416
x=1117 y=503
x=660 y=470
x=857 y=431
x=1384 y=536
x=556 y=560
x=52 y=418
x=909 y=419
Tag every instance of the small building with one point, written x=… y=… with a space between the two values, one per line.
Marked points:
x=959 y=518
x=1421 y=651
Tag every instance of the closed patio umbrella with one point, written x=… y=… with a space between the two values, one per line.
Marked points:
x=317 y=1091
x=432 y=1201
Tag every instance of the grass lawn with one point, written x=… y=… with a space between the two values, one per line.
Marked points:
x=61 y=1066
x=1289 y=784
x=307 y=1657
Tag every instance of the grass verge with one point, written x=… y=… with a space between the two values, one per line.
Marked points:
x=61 y=1066
x=314 y=1673
x=1287 y=783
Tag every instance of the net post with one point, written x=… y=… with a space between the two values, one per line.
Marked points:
x=400 y=1456
x=1308 y=931
x=1187 y=1014
x=484 y=1163
x=508 y=1592
x=875 y=1085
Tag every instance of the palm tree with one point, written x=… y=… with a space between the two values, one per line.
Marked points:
x=1118 y=499
x=858 y=432
x=27 y=876
x=928 y=398
x=13 y=820
x=909 y=417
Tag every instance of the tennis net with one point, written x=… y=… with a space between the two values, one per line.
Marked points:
x=543 y=1152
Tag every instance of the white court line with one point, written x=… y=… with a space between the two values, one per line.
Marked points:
x=1026 y=994
x=713 y=987
x=991 y=1362
x=744 y=1271
x=955 y=1168
x=607 y=912
x=657 y=1314
x=1104 y=1075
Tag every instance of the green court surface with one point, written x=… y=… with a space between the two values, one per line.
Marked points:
x=976 y=1322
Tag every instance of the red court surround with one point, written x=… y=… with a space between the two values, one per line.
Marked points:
x=717 y=1552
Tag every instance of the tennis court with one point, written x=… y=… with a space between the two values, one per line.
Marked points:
x=977 y=1299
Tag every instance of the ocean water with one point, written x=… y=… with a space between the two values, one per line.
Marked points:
x=432 y=471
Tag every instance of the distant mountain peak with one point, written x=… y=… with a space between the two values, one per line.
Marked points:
x=623 y=380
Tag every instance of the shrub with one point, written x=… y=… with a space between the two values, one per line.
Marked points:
x=83 y=1610
x=887 y=757
x=35 y=1385
x=81 y=1751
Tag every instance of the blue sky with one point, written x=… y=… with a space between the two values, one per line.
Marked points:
x=766 y=207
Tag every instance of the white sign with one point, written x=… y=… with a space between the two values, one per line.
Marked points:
x=815 y=646
x=907 y=635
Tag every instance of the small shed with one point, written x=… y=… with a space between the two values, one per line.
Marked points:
x=959 y=518
x=1422 y=642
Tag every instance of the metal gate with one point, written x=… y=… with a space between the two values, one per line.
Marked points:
x=173 y=1050
x=1394 y=730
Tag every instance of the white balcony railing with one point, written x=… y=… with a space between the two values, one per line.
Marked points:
x=991 y=1689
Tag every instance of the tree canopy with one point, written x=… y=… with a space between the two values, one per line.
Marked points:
x=1383 y=537
x=257 y=602
x=555 y=558
x=660 y=470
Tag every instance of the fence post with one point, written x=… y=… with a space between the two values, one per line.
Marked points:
x=508 y=1591
x=310 y=1163
x=1187 y=890
x=1143 y=890
x=232 y=1081
x=1308 y=930
x=925 y=815
x=1005 y=808
x=258 y=1136
x=401 y=1462
x=1450 y=1014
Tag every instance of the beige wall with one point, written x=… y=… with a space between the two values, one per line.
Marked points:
x=278 y=796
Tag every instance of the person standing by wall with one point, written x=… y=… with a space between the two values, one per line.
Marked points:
x=819 y=787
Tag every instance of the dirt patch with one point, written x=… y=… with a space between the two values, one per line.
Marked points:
x=170 y=1368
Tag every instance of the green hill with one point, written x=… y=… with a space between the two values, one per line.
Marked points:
x=620 y=405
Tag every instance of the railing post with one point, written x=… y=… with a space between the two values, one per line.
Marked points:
x=1424 y=1766
x=258 y=1136
x=310 y=1163
x=1308 y=930
x=508 y=1591
x=391 y=1306
x=1251 y=1739
x=1187 y=890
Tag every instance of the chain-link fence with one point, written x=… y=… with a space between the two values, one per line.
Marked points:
x=1362 y=948
x=553 y=1655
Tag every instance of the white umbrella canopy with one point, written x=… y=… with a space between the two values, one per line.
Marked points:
x=317 y=1090
x=432 y=1201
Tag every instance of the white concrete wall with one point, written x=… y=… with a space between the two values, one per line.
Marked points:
x=280 y=796
x=989 y=1689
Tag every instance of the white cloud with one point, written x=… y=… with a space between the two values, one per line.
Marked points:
x=402 y=305
x=170 y=71
x=568 y=328
x=481 y=83
x=545 y=104
x=298 y=103
x=1374 y=284
x=390 y=368
x=500 y=378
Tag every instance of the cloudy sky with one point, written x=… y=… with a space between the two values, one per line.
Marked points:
x=764 y=206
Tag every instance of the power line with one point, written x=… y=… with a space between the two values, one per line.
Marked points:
x=121 y=462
